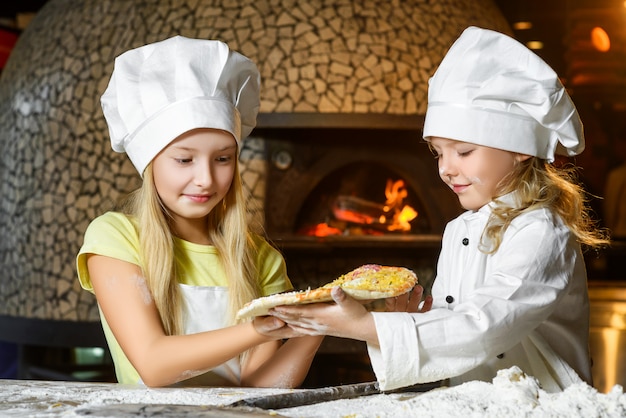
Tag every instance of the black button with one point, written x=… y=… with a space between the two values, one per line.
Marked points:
x=500 y=355
x=465 y=241
x=449 y=299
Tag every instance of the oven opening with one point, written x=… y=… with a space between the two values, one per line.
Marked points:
x=361 y=199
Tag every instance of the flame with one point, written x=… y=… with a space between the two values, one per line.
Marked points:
x=401 y=221
x=395 y=192
x=352 y=210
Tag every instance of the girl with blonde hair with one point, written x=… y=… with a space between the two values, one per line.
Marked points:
x=510 y=288
x=171 y=268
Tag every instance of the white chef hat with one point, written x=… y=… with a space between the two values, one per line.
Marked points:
x=162 y=90
x=491 y=90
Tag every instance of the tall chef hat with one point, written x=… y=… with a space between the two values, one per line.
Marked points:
x=491 y=90
x=162 y=90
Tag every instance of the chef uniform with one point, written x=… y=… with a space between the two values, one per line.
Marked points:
x=526 y=304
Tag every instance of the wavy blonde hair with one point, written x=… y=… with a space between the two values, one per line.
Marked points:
x=538 y=184
x=228 y=231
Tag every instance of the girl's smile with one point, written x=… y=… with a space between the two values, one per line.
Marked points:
x=459 y=188
x=198 y=198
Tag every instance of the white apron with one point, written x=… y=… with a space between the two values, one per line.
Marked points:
x=206 y=308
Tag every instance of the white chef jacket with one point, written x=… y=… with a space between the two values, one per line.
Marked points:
x=525 y=305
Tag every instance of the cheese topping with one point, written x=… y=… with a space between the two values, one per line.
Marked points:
x=375 y=277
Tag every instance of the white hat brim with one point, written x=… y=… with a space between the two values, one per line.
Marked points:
x=486 y=127
x=172 y=121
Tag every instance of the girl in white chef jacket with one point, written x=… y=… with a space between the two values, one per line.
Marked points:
x=511 y=285
x=170 y=270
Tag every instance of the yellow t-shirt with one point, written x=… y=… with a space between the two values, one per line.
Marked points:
x=115 y=235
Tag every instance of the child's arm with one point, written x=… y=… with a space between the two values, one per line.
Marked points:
x=161 y=360
x=286 y=367
x=348 y=318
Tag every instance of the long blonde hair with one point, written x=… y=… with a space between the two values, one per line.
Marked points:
x=538 y=184
x=228 y=231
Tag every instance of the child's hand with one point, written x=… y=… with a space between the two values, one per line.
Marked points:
x=347 y=318
x=273 y=327
x=409 y=302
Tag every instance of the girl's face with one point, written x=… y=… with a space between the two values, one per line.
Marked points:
x=193 y=174
x=473 y=172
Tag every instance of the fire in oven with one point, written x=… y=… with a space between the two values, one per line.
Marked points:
x=353 y=184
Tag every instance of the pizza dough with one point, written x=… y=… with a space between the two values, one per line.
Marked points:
x=368 y=282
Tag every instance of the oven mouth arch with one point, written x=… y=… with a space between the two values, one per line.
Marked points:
x=315 y=154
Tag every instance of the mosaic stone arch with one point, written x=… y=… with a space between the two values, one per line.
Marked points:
x=57 y=171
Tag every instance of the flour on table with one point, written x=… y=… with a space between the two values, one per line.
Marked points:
x=511 y=394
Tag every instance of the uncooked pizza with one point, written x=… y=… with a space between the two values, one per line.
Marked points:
x=368 y=282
